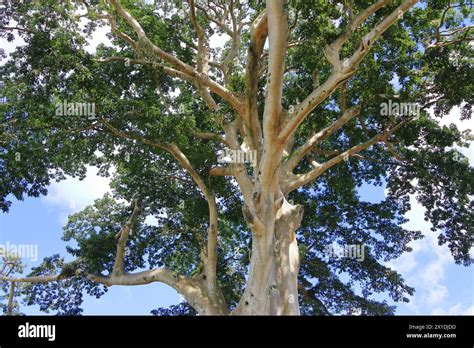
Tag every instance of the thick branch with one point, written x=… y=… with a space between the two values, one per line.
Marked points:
x=277 y=36
x=440 y=43
x=272 y=116
x=323 y=134
x=33 y=280
x=202 y=56
x=26 y=30
x=211 y=264
x=120 y=34
x=303 y=179
x=140 y=278
x=189 y=288
x=238 y=169
x=235 y=37
x=198 y=78
x=355 y=23
x=343 y=71
x=222 y=171
x=173 y=149
x=211 y=136
x=167 y=70
x=258 y=35
x=123 y=238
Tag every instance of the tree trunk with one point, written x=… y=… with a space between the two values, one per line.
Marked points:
x=272 y=284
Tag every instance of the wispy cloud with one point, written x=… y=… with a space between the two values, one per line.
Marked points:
x=457 y=309
x=72 y=195
x=454 y=117
x=425 y=267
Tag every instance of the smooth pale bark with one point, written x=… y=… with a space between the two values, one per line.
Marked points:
x=272 y=284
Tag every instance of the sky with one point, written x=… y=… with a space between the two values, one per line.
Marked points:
x=442 y=287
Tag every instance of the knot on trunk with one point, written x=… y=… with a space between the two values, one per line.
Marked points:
x=249 y=216
x=255 y=224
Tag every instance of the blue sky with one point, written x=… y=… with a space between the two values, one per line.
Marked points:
x=40 y=220
x=442 y=287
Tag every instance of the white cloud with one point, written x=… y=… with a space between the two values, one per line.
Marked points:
x=10 y=46
x=436 y=294
x=73 y=194
x=469 y=311
x=454 y=117
x=151 y=220
x=98 y=37
x=405 y=263
x=424 y=268
x=457 y=309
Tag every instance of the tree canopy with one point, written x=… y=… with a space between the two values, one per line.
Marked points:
x=300 y=82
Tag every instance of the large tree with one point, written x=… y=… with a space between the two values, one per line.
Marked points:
x=294 y=92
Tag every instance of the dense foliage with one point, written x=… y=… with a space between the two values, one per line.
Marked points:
x=56 y=65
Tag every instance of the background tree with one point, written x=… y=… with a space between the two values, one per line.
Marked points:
x=297 y=84
x=10 y=266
